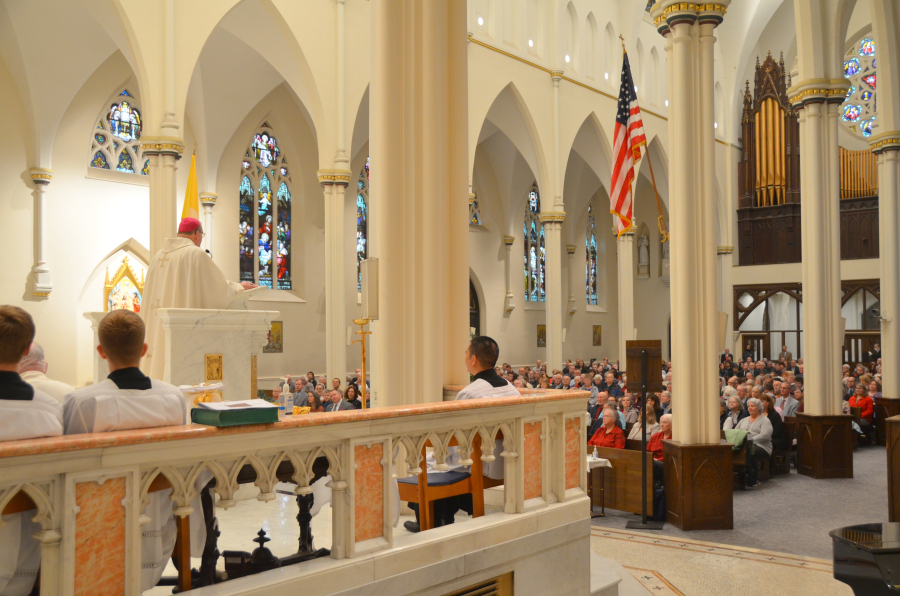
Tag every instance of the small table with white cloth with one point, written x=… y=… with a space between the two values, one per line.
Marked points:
x=600 y=464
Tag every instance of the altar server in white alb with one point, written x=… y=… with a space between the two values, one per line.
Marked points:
x=181 y=275
x=128 y=400
x=25 y=413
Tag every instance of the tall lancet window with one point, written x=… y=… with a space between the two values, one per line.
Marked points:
x=116 y=144
x=264 y=220
x=590 y=252
x=362 y=222
x=535 y=257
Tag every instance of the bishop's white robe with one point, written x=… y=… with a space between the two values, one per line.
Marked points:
x=181 y=275
x=104 y=408
x=20 y=555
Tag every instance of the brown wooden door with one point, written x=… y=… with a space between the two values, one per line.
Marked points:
x=759 y=345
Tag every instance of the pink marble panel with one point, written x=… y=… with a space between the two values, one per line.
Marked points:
x=100 y=538
x=368 y=497
x=573 y=453
x=196 y=431
x=533 y=460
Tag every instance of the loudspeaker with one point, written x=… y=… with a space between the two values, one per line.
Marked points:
x=369 y=270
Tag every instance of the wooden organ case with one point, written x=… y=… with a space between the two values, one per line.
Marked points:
x=769 y=171
x=768 y=212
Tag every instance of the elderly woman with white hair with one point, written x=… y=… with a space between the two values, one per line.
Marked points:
x=760 y=430
x=736 y=411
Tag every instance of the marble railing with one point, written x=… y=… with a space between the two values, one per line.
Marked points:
x=89 y=490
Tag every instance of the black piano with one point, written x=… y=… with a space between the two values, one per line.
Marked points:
x=867 y=558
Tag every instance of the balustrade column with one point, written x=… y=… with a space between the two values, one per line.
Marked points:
x=340 y=518
x=50 y=540
x=43 y=285
x=334 y=183
x=625 y=291
x=419 y=206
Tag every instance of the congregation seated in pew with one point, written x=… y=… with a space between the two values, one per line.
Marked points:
x=26 y=413
x=609 y=434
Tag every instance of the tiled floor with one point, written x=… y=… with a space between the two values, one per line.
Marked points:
x=672 y=566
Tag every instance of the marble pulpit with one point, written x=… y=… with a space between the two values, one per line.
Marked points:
x=209 y=345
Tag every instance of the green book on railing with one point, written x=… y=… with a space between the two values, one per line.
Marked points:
x=234 y=413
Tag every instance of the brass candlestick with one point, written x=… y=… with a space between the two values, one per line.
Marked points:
x=362 y=333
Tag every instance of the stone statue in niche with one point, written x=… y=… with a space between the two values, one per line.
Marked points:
x=643 y=257
x=643 y=250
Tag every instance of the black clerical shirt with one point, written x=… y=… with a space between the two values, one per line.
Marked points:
x=130 y=378
x=490 y=375
x=13 y=387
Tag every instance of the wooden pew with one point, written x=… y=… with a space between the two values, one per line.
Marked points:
x=868 y=431
x=622 y=483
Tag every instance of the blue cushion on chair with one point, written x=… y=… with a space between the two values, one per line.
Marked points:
x=438 y=478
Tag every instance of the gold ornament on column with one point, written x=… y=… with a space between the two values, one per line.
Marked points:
x=362 y=333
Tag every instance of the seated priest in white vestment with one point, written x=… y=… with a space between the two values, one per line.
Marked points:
x=33 y=369
x=181 y=275
x=128 y=400
x=25 y=413
x=481 y=357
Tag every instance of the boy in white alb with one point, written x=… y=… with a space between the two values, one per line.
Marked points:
x=25 y=413
x=481 y=356
x=129 y=400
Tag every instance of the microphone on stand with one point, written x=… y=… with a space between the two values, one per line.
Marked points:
x=209 y=253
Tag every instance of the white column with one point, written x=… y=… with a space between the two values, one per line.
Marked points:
x=42 y=284
x=690 y=46
x=334 y=183
x=50 y=540
x=625 y=292
x=573 y=275
x=726 y=298
x=162 y=152
x=419 y=206
x=508 y=302
x=208 y=200
x=552 y=216
x=817 y=104
x=887 y=147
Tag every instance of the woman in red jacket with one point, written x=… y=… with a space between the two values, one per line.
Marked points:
x=610 y=434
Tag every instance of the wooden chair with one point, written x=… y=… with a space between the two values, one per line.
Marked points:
x=182 y=552
x=424 y=490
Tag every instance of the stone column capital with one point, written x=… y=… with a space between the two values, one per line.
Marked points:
x=508 y=240
x=41 y=176
x=208 y=199
x=724 y=250
x=885 y=141
x=552 y=217
x=162 y=146
x=556 y=75
x=334 y=177
x=571 y=248
x=813 y=91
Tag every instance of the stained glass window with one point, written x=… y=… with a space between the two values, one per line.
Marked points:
x=99 y=161
x=535 y=250
x=245 y=231
x=860 y=104
x=867 y=47
x=851 y=112
x=590 y=249
x=362 y=222
x=125 y=163
x=474 y=210
x=264 y=224
x=116 y=139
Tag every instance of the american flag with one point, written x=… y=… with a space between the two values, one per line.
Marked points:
x=629 y=137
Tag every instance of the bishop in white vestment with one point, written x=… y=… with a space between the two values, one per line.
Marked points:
x=181 y=275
